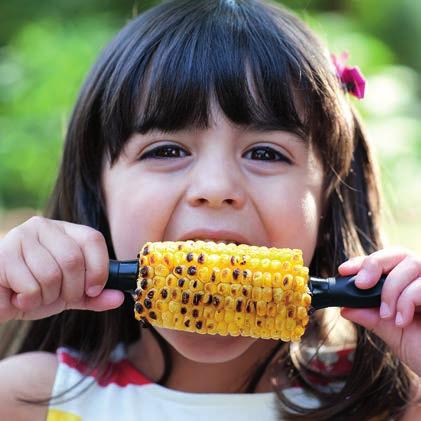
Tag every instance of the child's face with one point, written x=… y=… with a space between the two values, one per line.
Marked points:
x=225 y=182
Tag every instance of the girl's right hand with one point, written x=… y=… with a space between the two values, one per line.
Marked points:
x=48 y=266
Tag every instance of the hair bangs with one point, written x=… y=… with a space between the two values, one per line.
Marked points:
x=227 y=57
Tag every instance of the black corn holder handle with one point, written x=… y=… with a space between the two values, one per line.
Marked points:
x=341 y=292
x=122 y=275
x=330 y=292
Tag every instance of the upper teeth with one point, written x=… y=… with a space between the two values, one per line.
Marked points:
x=216 y=241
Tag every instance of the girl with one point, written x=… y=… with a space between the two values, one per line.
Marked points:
x=222 y=120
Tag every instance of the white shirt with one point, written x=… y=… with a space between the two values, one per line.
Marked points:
x=128 y=395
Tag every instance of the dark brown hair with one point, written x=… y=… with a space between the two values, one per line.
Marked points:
x=265 y=69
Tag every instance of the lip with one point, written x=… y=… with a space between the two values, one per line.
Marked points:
x=216 y=235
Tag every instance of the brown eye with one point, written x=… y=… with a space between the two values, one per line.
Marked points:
x=164 y=152
x=266 y=153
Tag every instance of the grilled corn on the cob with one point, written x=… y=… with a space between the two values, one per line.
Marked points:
x=224 y=289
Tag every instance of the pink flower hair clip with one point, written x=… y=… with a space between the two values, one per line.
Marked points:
x=351 y=78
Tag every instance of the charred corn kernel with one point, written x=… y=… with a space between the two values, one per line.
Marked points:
x=224 y=289
x=287 y=282
x=208 y=313
x=256 y=293
x=229 y=303
x=195 y=285
x=226 y=275
x=215 y=275
x=219 y=315
x=236 y=290
x=251 y=306
x=288 y=296
x=210 y=326
x=247 y=275
x=162 y=306
x=205 y=287
x=246 y=291
x=271 y=310
x=239 y=304
x=211 y=288
x=159 y=282
x=171 y=281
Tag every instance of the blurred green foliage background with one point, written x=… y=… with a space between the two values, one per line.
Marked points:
x=46 y=49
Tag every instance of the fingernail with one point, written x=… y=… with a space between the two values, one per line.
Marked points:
x=93 y=291
x=399 y=319
x=384 y=310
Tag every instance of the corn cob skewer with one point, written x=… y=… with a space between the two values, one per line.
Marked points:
x=230 y=289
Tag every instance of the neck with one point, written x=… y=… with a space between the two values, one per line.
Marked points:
x=190 y=376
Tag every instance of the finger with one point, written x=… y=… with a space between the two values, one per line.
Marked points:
x=408 y=301
x=94 y=248
x=44 y=269
x=7 y=311
x=26 y=292
x=107 y=300
x=367 y=317
x=351 y=266
x=382 y=261
x=69 y=257
x=370 y=319
x=396 y=281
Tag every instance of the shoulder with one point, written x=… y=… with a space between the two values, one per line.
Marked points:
x=26 y=376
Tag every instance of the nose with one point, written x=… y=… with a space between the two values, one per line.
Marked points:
x=216 y=183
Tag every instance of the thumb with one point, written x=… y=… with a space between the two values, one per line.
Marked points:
x=107 y=300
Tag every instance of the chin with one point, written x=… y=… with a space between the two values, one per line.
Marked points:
x=206 y=348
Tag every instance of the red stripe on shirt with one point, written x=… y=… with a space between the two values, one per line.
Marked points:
x=121 y=373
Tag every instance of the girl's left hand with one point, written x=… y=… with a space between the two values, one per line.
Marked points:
x=397 y=321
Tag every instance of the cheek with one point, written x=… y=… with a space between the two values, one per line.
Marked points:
x=293 y=220
x=310 y=216
x=206 y=348
x=138 y=210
